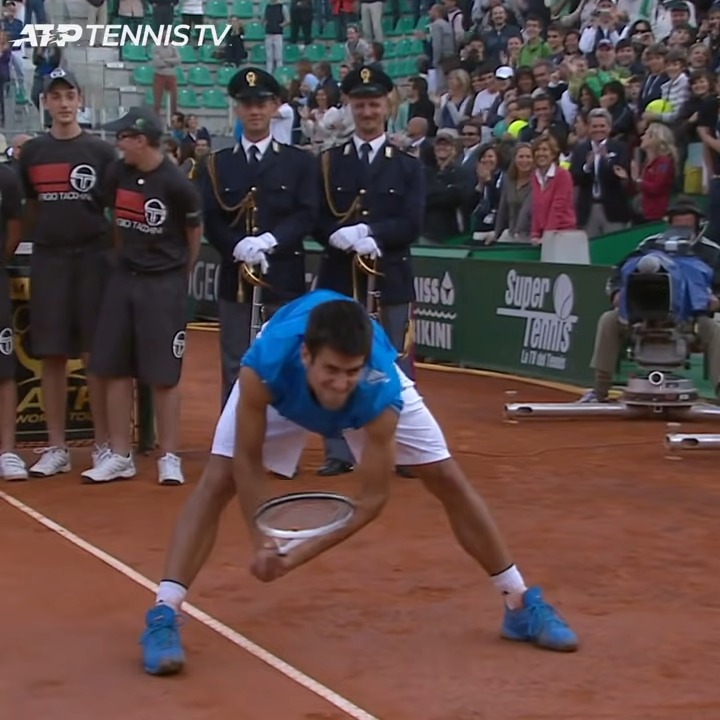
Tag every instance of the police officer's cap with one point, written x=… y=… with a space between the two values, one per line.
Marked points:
x=137 y=121
x=367 y=82
x=683 y=205
x=253 y=84
x=57 y=76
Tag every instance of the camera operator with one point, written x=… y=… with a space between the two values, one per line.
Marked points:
x=611 y=333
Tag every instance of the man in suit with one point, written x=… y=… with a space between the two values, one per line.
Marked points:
x=600 y=168
x=470 y=136
x=373 y=209
x=260 y=200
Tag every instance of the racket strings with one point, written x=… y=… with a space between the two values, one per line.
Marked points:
x=304 y=515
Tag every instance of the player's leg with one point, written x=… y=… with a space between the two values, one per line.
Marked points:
x=51 y=326
x=609 y=338
x=90 y=282
x=196 y=529
x=112 y=359
x=12 y=466
x=422 y=447
x=160 y=318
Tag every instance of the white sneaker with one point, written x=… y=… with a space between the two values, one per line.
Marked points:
x=111 y=467
x=170 y=470
x=54 y=460
x=12 y=467
x=99 y=453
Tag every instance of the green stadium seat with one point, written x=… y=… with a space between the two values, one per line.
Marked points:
x=133 y=53
x=390 y=49
x=337 y=53
x=245 y=10
x=187 y=98
x=402 y=48
x=394 y=69
x=405 y=26
x=258 y=55
x=416 y=48
x=254 y=31
x=224 y=75
x=143 y=75
x=387 y=26
x=406 y=7
x=181 y=76
x=216 y=9
x=329 y=32
x=200 y=76
x=215 y=99
x=408 y=67
x=207 y=54
x=284 y=75
x=188 y=54
x=149 y=98
x=315 y=52
x=291 y=54
x=423 y=23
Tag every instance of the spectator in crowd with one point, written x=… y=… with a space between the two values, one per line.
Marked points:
x=467 y=159
x=343 y=11
x=397 y=113
x=456 y=104
x=513 y=221
x=275 y=21
x=320 y=136
x=420 y=104
x=656 y=78
x=14 y=27
x=614 y=101
x=301 y=17
x=446 y=191
x=355 y=45
x=131 y=13
x=534 y=48
x=327 y=83
x=194 y=131
x=442 y=48
x=417 y=141
x=371 y=13
x=600 y=168
x=487 y=194
x=496 y=37
x=656 y=180
x=165 y=60
x=192 y=12
x=554 y=223
x=701 y=94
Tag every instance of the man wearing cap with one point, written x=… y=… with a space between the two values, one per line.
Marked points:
x=611 y=334
x=260 y=200
x=61 y=173
x=141 y=332
x=373 y=207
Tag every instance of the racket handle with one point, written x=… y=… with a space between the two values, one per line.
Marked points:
x=287 y=546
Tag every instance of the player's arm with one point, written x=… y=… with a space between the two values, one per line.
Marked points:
x=373 y=476
x=250 y=429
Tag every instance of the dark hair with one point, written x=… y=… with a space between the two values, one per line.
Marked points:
x=341 y=325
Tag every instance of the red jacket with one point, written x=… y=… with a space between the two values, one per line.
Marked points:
x=553 y=207
x=656 y=187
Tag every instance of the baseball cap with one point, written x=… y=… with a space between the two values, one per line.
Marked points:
x=139 y=120
x=60 y=75
x=605 y=43
x=504 y=72
x=366 y=82
x=253 y=84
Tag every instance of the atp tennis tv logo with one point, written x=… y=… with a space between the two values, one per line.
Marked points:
x=435 y=314
x=546 y=307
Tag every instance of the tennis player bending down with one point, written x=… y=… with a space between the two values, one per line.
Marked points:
x=321 y=365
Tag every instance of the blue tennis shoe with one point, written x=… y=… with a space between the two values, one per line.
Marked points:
x=163 y=652
x=539 y=623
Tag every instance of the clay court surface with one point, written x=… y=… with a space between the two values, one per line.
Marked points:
x=398 y=620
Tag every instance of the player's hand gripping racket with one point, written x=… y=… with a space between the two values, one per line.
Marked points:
x=290 y=520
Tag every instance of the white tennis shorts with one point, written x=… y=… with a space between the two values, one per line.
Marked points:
x=419 y=439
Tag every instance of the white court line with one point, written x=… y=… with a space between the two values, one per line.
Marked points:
x=228 y=633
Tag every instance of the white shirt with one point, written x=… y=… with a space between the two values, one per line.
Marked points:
x=262 y=146
x=544 y=179
x=375 y=145
x=281 y=127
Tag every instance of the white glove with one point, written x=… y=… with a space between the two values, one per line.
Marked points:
x=344 y=238
x=268 y=241
x=367 y=246
x=258 y=259
x=248 y=247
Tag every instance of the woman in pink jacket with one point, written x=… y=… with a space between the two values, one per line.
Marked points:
x=554 y=224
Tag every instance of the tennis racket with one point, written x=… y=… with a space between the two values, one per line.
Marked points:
x=290 y=520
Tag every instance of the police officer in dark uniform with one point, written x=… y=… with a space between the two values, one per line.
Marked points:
x=372 y=205
x=260 y=200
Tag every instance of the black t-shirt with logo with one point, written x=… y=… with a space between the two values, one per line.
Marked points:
x=64 y=176
x=152 y=213
x=709 y=117
x=11 y=204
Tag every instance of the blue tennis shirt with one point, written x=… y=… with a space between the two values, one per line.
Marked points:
x=275 y=357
